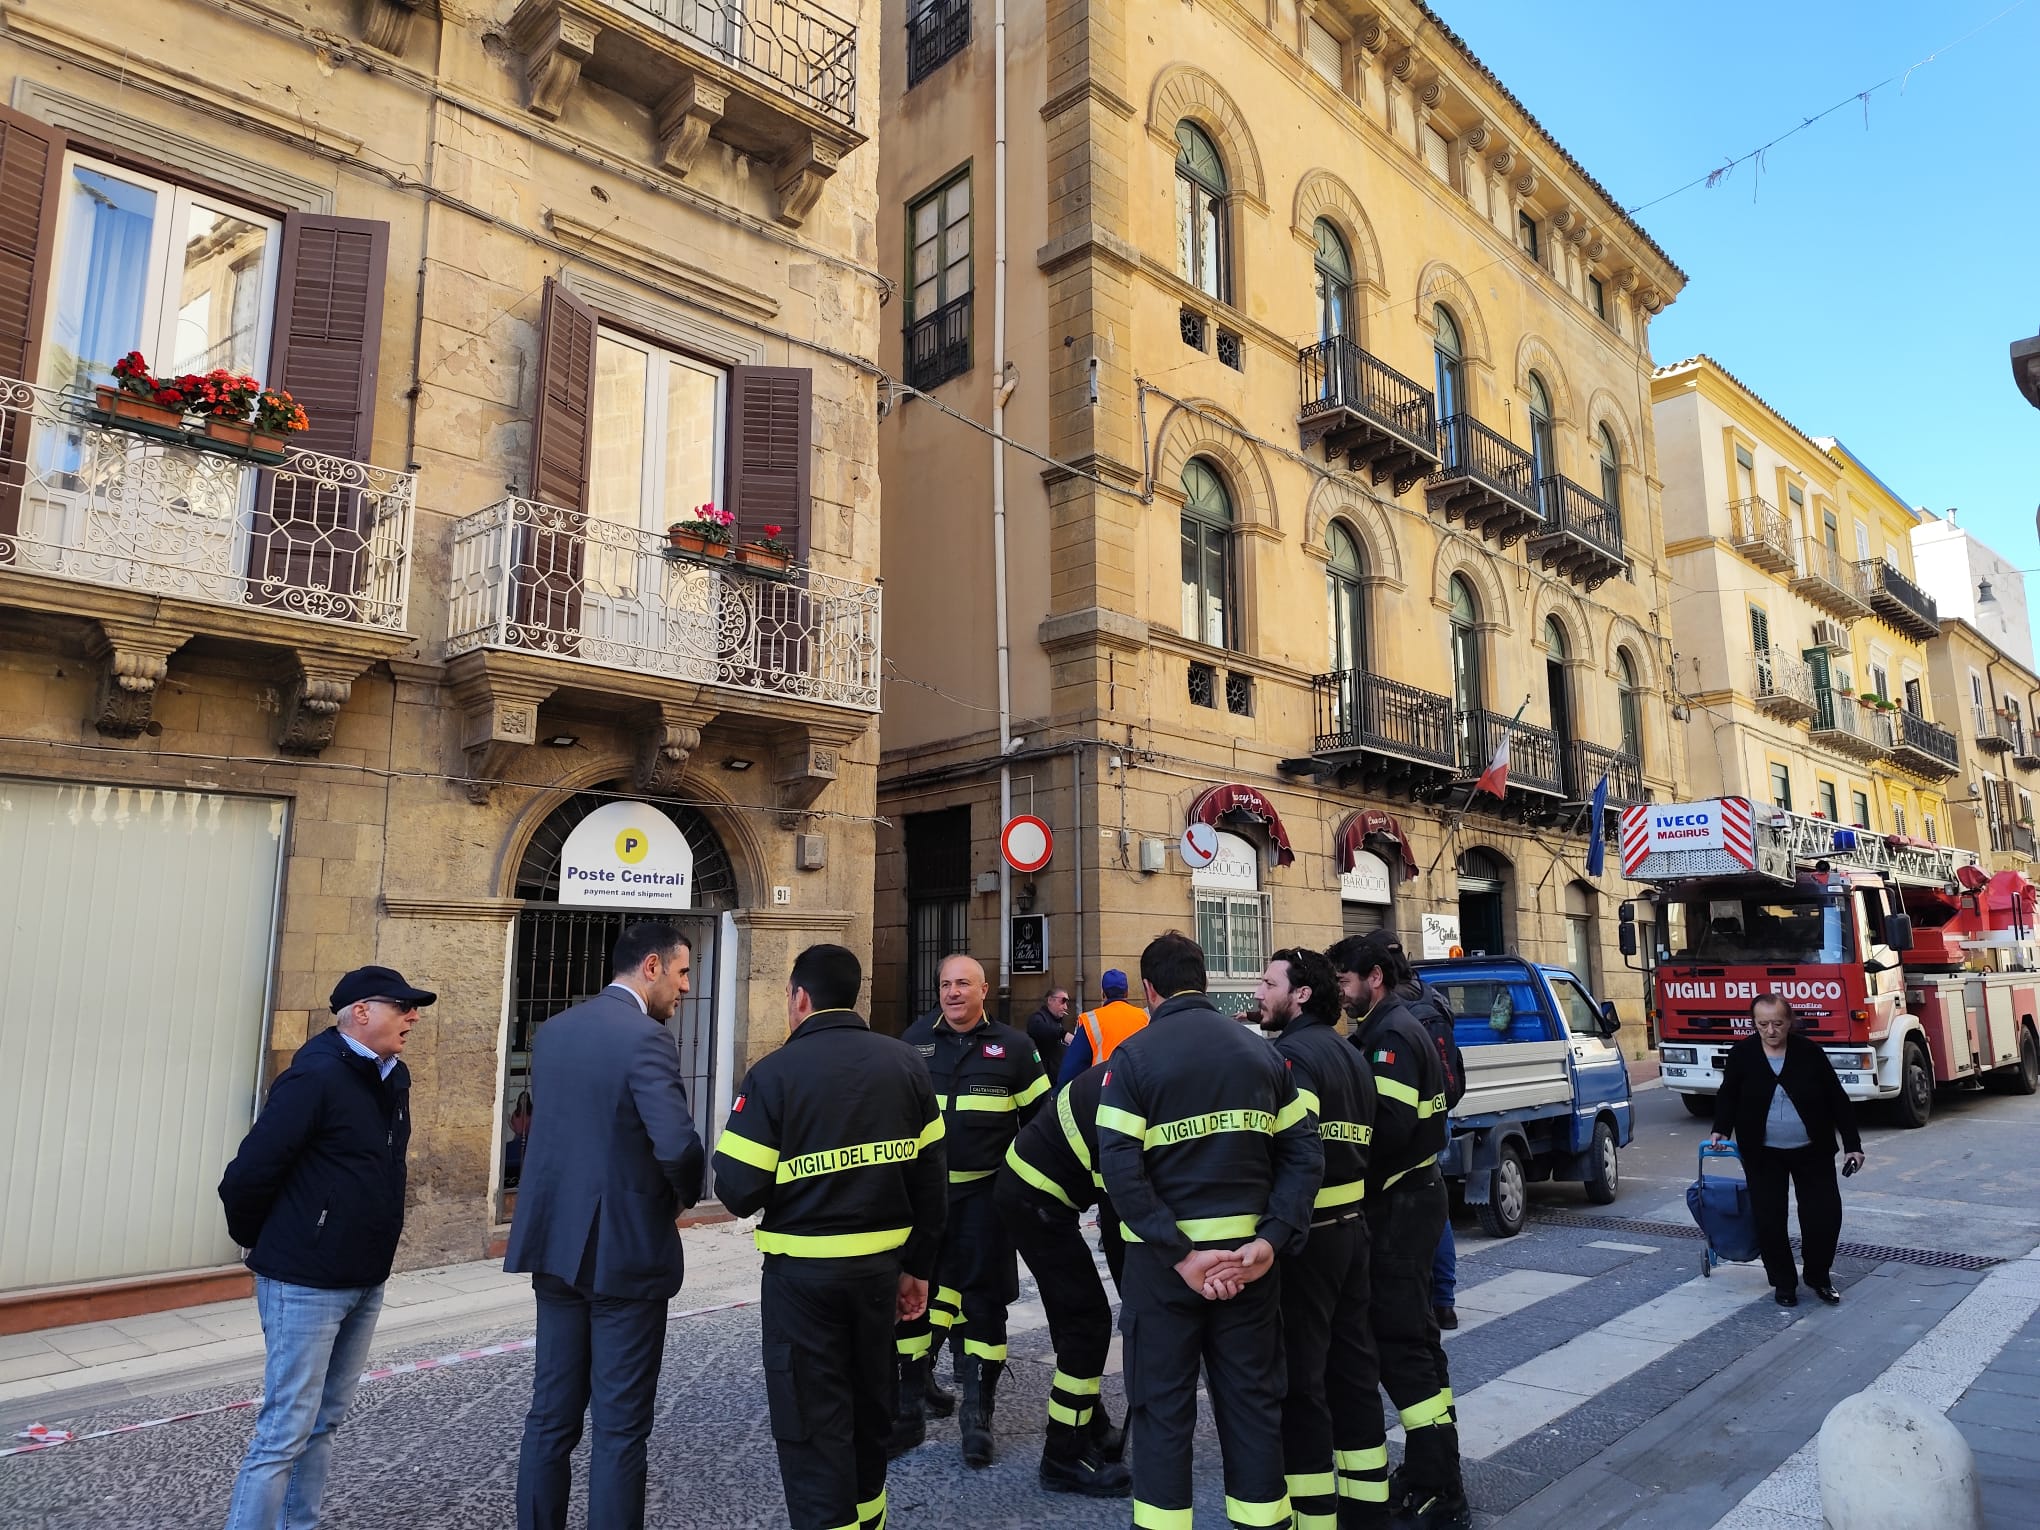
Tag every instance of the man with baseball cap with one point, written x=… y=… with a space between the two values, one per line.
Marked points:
x=1100 y=1030
x=316 y=1196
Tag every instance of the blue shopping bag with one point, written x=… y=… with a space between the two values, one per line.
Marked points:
x=1721 y=1208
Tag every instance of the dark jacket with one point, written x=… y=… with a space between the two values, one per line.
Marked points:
x=1202 y=1138
x=1337 y=1088
x=1409 y=1088
x=1054 y=1160
x=1050 y=1037
x=836 y=1136
x=316 y=1193
x=614 y=1157
x=989 y=1083
x=1743 y=1102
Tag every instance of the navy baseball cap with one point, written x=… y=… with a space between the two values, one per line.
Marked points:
x=1114 y=981
x=378 y=983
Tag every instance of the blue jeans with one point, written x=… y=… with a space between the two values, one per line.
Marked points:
x=1445 y=1269
x=318 y=1345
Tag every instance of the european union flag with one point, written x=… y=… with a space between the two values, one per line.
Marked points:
x=1597 y=832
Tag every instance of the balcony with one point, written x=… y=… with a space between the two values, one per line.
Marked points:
x=1895 y=598
x=1995 y=732
x=774 y=79
x=1759 y=531
x=2025 y=749
x=1359 y=405
x=1784 y=685
x=2020 y=838
x=1844 y=725
x=158 y=540
x=1586 y=763
x=1827 y=579
x=1924 y=748
x=938 y=345
x=1485 y=480
x=1362 y=714
x=1533 y=752
x=1581 y=538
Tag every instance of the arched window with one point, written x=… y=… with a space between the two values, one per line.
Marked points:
x=1449 y=354
x=1554 y=640
x=1557 y=683
x=1611 y=470
x=1543 y=440
x=1334 y=283
x=1346 y=599
x=1468 y=691
x=1202 y=254
x=1630 y=699
x=1208 y=614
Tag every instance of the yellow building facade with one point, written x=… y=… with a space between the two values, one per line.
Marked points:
x=1990 y=800
x=1802 y=639
x=1324 y=375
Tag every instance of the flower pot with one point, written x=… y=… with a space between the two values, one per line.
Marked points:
x=132 y=406
x=751 y=555
x=230 y=432
x=268 y=443
x=694 y=543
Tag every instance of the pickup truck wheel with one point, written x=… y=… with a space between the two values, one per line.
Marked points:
x=1501 y=1215
x=1915 y=1102
x=1603 y=1165
x=2023 y=1076
x=1701 y=1105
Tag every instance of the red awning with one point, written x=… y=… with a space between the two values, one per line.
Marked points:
x=1216 y=802
x=1387 y=834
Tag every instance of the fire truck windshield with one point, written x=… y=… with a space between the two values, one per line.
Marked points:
x=1757 y=928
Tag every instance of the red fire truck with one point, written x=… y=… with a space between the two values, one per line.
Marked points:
x=1866 y=935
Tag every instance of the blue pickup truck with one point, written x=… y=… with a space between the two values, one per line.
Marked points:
x=1547 y=1091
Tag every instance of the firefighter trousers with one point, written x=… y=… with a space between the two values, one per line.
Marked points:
x=1334 y=1445
x=1079 y=1316
x=1403 y=1226
x=975 y=1279
x=1169 y=1330
x=831 y=1384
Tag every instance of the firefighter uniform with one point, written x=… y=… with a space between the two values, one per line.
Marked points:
x=1050 y=1175
x=1406 y=1211
x=838 y=1138
x=1204 y=1144
x=989 y=1083
x=1335 y=1449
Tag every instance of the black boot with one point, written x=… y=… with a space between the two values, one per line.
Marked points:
x=941 y=1402
x=910 y=1416
x=980 y=1380
x=1071 y=1463
x=1108 y=1439
x=1434 y=1496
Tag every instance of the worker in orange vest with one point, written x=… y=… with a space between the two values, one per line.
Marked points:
x=1100 y=1030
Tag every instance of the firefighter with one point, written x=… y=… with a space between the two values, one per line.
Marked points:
x=837 y=1137
x=1098 y=1032
x=1406 y=1210
x=1050 y=1175
x=1334 y=1447
x=989 y=1081
x=1212 y=1163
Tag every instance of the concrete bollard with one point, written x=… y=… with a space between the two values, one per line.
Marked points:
x=1888 y=1463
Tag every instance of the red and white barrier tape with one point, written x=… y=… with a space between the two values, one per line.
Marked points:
x=42 y=1438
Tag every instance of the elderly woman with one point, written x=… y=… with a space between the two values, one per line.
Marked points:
x=1783 y=1104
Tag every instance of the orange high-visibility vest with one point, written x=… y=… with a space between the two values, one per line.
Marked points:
x=1109 y=1024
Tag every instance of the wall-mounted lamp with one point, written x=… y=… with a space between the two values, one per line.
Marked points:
x=1023 y=899
x=562 y=741
x=736 y=762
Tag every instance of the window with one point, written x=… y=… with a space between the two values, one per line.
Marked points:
x=938 y=898
x=1437 y=153
x=1611 y=470
x=1334 y=268
x=939 y=299
x=1526 y=235
x=1781 y=786
x=656 y=438
x=1233 y=929
x=1630 y=700
x=1597 y=297
x=1202 y=254
x=1581 y=1017
x=1760 y=630
x=1467 y=687
x=1915 y=701
x=1322 y=49
x=1543 y=439
x=1862 y=542
x=936 y=31
x=1449 y=358
x=1859 y=809
x=1346 y=601
x=184 y=277
x=1933 y=834
x=1208 y=615
x=1897 y=819
x=1830 y=808
x=1745 y=474
x=1830 y=531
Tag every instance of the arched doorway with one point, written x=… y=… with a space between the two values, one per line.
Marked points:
x=1483 y=903
x=562 y=951
x=1558 y=690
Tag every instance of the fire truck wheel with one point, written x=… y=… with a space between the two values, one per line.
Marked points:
x=1604 y=1171
x=1915 y=1102
x=1501 y=1215
x=1701 y=1105
x=2023 y=1076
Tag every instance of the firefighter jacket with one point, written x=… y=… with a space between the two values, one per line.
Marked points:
x=1337 y=1088
x=838 y=1138
x=1410 y=1122
x=1055 y=1157
x=989 y=1082
x=1202 y=1138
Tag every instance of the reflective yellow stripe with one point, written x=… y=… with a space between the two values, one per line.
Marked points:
x=1395 y=1089
x=1431 y=1410
x=948 y=1296
x=1077 y=1386
x=1364 y=1489
x=1032 y=1092
x=1067 y=1115
x=1346 y=1131
x=1434 y=1106
x=984 y=1351
x=1127 y=1124
x=1410 y=1170
x=1206 y=1229
x=1147 y=1517
x=1312 y=1484
x=994 y=1103
x=1074 y=1417
x=1242 y=1512
x=733 y=1144
x=916 y=1347
x=829 y=1245
x=1035 y=1177
x=860 y=1155
x=1339 y=1195
x=1373 y=1459
x=938 y=1318
x=872 y=1508
x=1310 y=1103
x=933 y=1132
x=1289 y=1115
x=967 y=1176
x=1306 y=1521
x=1192 y=1128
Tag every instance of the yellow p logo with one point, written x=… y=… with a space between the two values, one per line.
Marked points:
x=632 y=846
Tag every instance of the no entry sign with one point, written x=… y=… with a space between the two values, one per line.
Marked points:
x=1026 y=844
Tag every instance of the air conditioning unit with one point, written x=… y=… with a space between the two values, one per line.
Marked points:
x=1832 y=636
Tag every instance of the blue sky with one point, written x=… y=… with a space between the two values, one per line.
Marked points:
x=1871 y=287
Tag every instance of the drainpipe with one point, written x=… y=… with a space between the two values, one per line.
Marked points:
x=1077 y=841
x=1002 y=388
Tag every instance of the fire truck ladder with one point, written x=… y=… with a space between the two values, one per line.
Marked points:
x=1807 y=840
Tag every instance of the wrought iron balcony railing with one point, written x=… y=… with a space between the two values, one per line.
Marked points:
x=938 y=344
x=1581 y=537
x=1586 y=763
x=1533 y=751
x=1826 y=578
x=1469 y=449
x=2021 y=838
x=1336 y=374
x=1761 y=533
x=1922 y=745
x=1995 y=732
x=1843 y=724
x=1887 y=591
x=1784 y=685
x=1362 y=713
x=312 y=536
x=803 y=48
x=532 y=578
x=936 y=31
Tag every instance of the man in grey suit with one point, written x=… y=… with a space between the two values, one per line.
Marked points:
x=613 y=1160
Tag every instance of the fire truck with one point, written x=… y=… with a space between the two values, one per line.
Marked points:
x=1866 y=935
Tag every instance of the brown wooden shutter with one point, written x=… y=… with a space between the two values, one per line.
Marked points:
x=770 y=452
x=325 y=351
x=548 y=551
x=31 y=163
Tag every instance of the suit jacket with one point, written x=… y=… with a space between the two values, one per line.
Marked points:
x=1743 y=1103
x=614 y=1157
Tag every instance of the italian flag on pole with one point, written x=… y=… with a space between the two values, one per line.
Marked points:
x=1495 y=779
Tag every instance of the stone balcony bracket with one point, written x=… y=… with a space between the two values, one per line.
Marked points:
x=805 y=762
x=500 y=717
x=316 y=685
x=387 y=24
x=133 y=660
x=667 y=736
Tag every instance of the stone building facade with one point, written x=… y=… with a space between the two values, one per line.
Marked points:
x=1993 y=696
x=547 y=275
x=1328 y=467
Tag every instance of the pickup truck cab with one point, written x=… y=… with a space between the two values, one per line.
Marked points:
x=1547 y=1090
